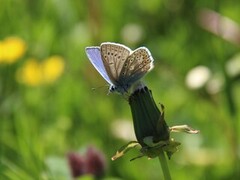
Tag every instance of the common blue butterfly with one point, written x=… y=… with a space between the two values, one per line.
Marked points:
x=119 y=65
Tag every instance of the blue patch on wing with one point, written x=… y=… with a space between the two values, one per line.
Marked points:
x=94 y=55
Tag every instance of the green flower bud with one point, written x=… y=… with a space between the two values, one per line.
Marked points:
x=148 y=120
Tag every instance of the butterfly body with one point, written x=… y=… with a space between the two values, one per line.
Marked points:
x=119 y=65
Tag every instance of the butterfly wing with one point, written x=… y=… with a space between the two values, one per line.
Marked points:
x=136 y=66
x=114 y=56
x=94 y=55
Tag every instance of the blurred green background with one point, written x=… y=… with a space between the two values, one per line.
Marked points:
x=48 y=107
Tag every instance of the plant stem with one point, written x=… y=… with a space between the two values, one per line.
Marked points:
x=163 y=162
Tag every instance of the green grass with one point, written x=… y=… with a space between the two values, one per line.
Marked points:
x=40 y=125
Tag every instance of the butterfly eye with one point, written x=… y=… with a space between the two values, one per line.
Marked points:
x=112 y=89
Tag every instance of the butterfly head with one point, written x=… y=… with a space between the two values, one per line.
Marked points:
x=119 y=89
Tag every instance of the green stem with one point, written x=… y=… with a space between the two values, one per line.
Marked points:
x=164 y=165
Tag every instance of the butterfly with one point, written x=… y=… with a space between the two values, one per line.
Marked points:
x=119 y=65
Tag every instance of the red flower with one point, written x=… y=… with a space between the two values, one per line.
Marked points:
x=95 y=162
x=77 y=164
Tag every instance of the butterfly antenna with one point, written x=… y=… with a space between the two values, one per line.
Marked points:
x=95 y=88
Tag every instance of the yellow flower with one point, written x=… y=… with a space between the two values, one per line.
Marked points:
x=30 y=73
x=11 y=49
x=34 y=73
x=52 y=68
